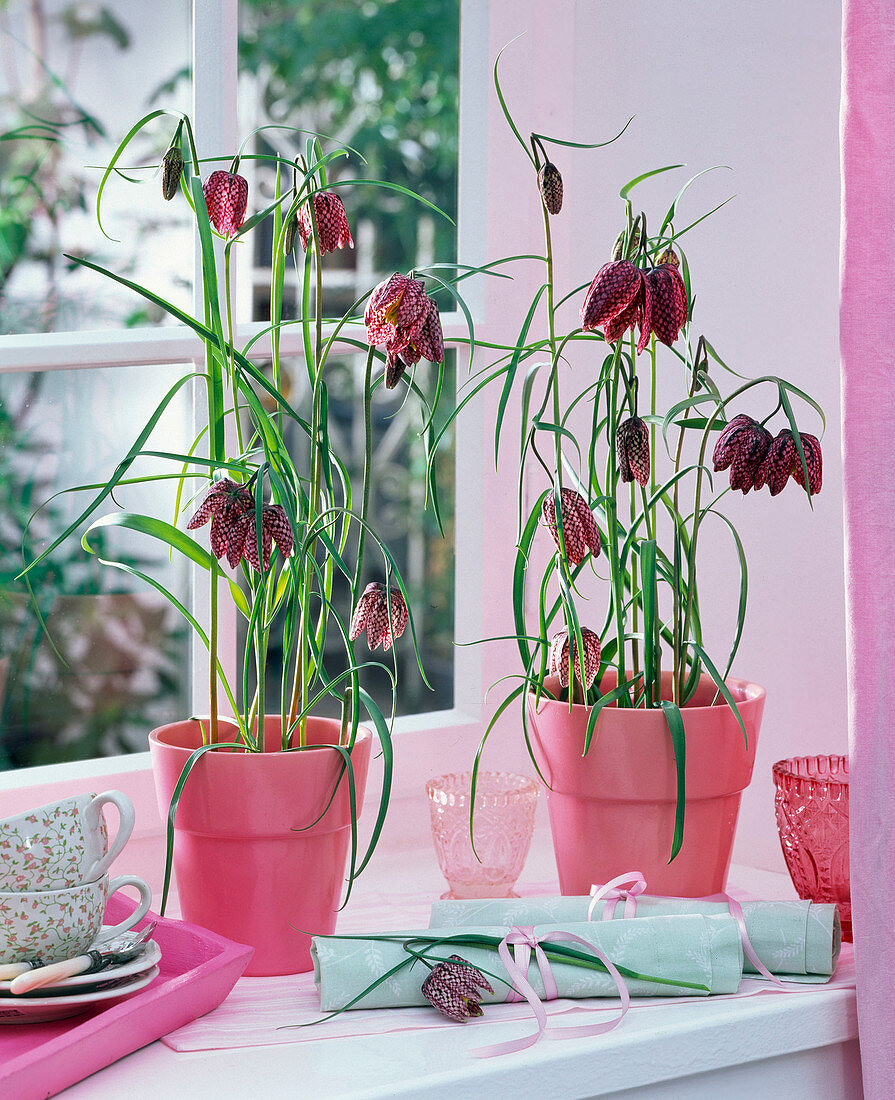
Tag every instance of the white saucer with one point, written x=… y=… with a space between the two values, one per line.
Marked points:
x=148 y=959
x=37 y=1010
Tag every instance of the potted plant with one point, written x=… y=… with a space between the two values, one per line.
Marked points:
x=641 y=737
x=261 y=794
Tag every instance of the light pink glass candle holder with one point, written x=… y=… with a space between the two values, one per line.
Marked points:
x=505 y=807
x=811 y=801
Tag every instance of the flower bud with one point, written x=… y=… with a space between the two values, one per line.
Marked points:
x=291 y=230
x=632 y=450
x=172 y=169
x=550 y=186
x=669 y=256
x=633 y=243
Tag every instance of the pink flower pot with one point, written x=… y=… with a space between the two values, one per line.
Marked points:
x=251 y=859
x=613 y=810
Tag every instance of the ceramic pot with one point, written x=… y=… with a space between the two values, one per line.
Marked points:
x=261 y=843
x=613 y=810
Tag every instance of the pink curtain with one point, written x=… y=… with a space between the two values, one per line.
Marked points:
x=867 y=318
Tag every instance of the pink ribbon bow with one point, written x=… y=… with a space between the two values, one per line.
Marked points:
x=523 y=942
x=612 y=891
x=627 y=887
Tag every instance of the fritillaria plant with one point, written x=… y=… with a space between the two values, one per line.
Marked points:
x=282 y=518
x=623 y=497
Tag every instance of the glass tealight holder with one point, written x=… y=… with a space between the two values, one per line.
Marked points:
x=505 y=807
x=811 y=802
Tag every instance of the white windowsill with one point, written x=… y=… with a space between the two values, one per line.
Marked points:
x=801 y=1045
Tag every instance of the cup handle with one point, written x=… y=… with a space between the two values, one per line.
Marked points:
x=125 y=828
x=138 y=914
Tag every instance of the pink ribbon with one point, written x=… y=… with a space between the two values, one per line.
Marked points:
x=523 y=941
x=611 y=891
x=627 y=887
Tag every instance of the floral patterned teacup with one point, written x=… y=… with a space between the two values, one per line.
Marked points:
x=63 y=843
x=52 y=925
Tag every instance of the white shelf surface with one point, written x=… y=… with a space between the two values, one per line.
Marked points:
x=803 y=1043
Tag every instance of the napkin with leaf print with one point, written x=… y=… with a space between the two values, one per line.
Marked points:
x=796 y=940
x=693 y=948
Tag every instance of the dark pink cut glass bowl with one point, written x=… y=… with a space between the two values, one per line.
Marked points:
x=811 y=801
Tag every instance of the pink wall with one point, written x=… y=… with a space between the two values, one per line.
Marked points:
x=756 y=87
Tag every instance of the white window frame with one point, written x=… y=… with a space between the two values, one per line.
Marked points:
x=454 y=731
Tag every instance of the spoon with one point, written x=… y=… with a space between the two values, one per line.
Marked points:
x=87 y=963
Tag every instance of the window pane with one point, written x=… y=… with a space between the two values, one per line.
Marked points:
x=383 y=78
x=74 y=78
x=379 y=76
x=398 y=516
x=114 y=659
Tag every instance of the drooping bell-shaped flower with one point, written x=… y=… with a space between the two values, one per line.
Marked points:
x=428 y=338
x=622 y=296
x=274 y=529
x=743 y=446
x=579 y=528
x=454 y=988
x=559 y=657
x=550 y=186
x=813 y=460
x=397 y=307
x=665 y=305
x=403 y=317
x=624 y=321
x=226 y=503
x=372 y=614
x=226 y=195
x=617 y=289
x=782 y=462
x=332 y=224
x=396 y=363
x=632 y=450
x=172 y=169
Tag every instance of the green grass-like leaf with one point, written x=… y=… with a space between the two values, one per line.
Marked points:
x=679 y=744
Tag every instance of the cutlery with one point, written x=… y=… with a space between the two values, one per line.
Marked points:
x=90 y=962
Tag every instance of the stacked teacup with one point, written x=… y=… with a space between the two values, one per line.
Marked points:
x=54 y=881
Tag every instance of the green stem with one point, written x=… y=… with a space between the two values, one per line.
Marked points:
x=230 y=357
x=677 y=623
x=691 y=555
x=350 y=697
x=213 y=655
x=635 y=652
x=303 y=672
x=612 y=523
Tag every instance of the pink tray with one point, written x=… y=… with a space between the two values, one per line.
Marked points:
x=197 y=970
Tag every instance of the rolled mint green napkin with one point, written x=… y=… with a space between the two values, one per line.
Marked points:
x=794 y=939
x=693 y=948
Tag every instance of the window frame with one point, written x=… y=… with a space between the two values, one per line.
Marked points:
x=214 y=100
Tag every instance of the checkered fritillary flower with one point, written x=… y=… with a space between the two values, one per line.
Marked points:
x=454 y=988
x=332 y=224
x=743 y=446
x=632 y=450
x=782 y=462
x=372 y=614
x=559 y=657
x=579 y=527
x=226 y=195
x=225 y=504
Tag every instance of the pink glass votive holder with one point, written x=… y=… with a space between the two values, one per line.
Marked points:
x=811 y=802
x=505 y=807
